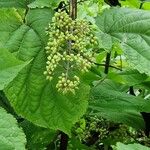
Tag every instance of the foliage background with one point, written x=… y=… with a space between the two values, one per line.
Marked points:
x=39 y=109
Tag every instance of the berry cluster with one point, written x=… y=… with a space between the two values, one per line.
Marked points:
x=91 y=127
x=69 y=45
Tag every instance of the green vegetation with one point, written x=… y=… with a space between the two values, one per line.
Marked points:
x=74 y=75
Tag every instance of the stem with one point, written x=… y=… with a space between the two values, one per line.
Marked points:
x=73 y=9
x=78 y=2
x=64 y=141
x=108 y=56
x=141 y=5
x=108 y=66
x=73 y=14
x=105 y=147
x=131 y=91
x=121 y=62
x=52 y=143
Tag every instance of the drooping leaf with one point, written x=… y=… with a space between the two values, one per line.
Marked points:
x=9 y=67
x=131 y=27
x=112 y=104
x=11 y=136
x=121 y=146
x=30 y=94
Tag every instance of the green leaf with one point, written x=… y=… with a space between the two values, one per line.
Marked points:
x=121 y=146
x=38 y=20
x=131 y=28
x=106 y=41
x=145 y=0
x=8 y=26
x=44 y=3
x=128 y=77
x=14 y=3
x=5 y=144
x=11 y=136
x=38 y=100
x=146 y=5
x=75 y=144
x=129 y=3
x=23 y=39
x=37 y=137
x=9 y=67
x=108 y=102
x=30 y=94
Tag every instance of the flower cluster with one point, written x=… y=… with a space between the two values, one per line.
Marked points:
x=69 y=45
x=65 y=85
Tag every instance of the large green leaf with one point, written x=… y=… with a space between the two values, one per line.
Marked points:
x=30 y=94
x=9 y=67
x=44 y=3
x=121 y=146
x=107 y=101
x=14 y=3
x=11 y=136
x=131 y=27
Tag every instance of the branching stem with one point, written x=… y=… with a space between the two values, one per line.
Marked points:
x=64 y=141
x=108 y=66
x=141 y=5
x=73 y=15
x=107 y=63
